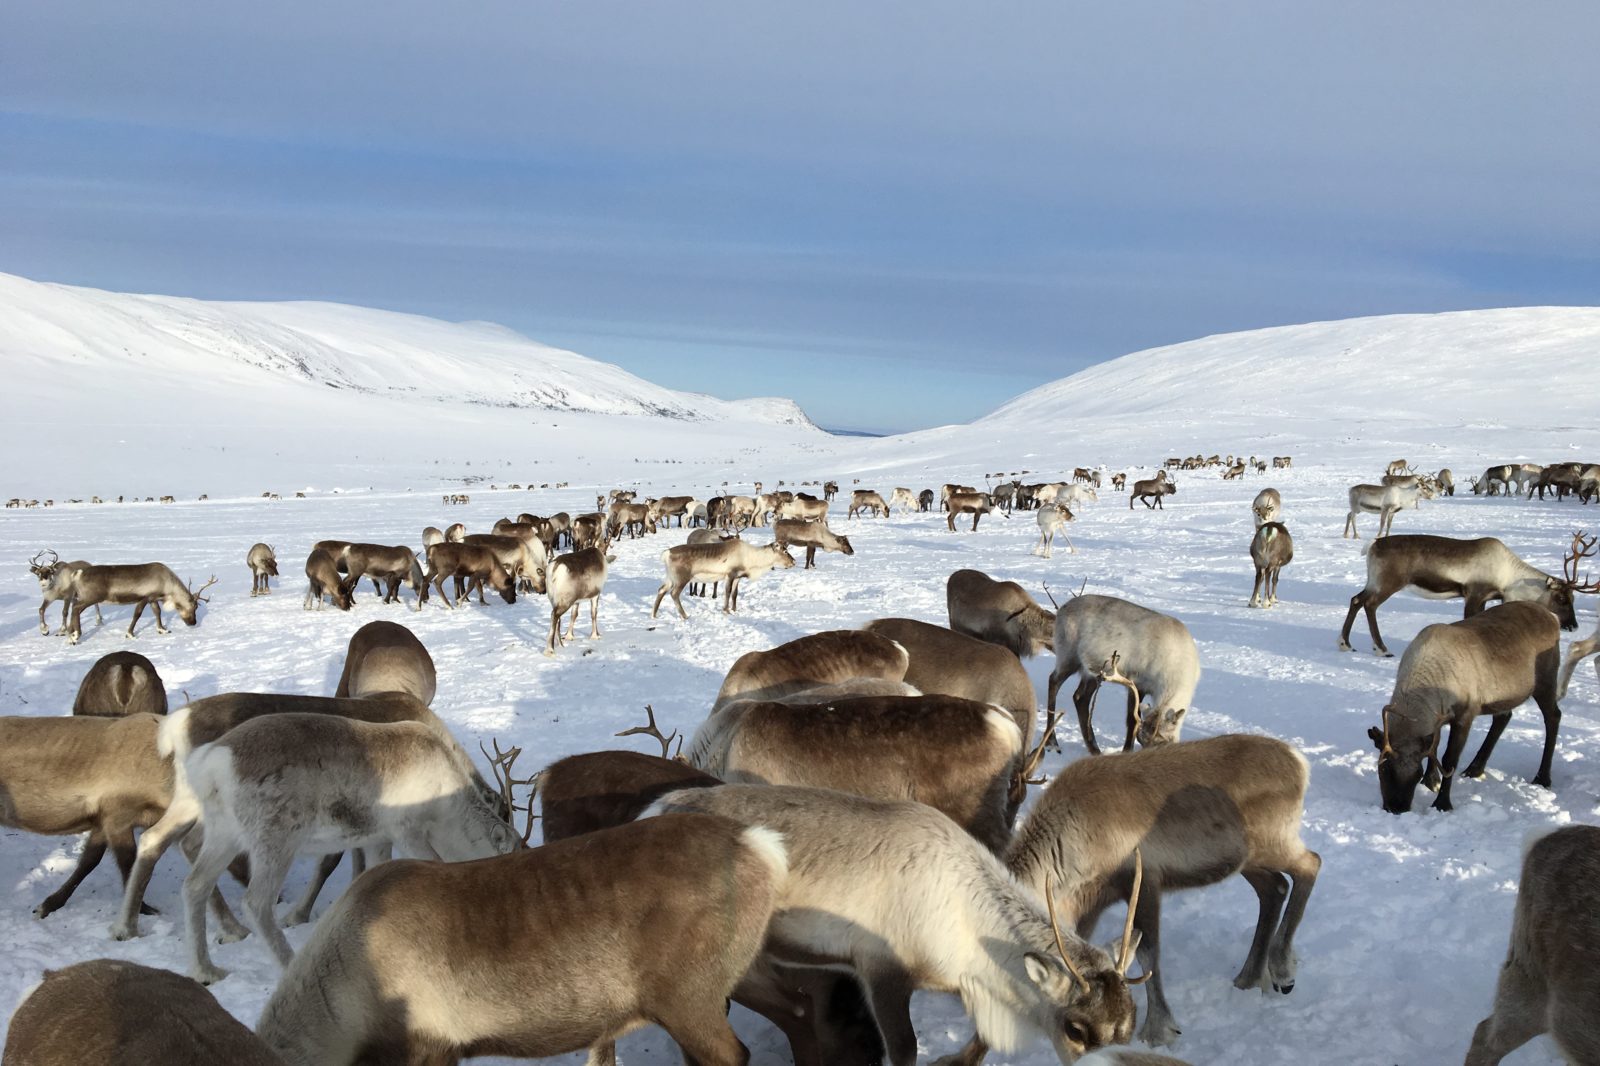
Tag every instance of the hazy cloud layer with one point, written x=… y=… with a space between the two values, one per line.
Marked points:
x=898 y=213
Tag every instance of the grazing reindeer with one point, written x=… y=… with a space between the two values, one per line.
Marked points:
x=1234 y=472
x=634 y=519
x=976 y=504
x=56 y=580
x=902 y=498
x=574 y=578
x=523 y=557
x=263 y=566
x=821 y=1012
x=1399 y=466
x=431 y=535
x=62 y=776
x=587 y=530
x=944 y=914
x=468 y=562
x=1077 y=495
x=1157 y=656
x=387 y=977
x=284 y=783
x=455 y=533
x=141 y=584
x=1486 y=664
x=204 y=721
x=120 y=684
x=1446 y=482
x=1478 y=570
x=1267 y=506
x=387 y=657
x=1271 y=549
x=110 y=1012
x=942 y=662
x=1495 y=480
x=1147 y=489
x=793 y=532
x=1548 y=983
x=1174 y=817
x=323 y=573
x=394 y=566
x=1385 y=501
x=862 y=500
x=925 y=500
x=804 y=507
x=669 y=507
x=999 y=612
x=1053 y=520
x=953 y=754
x=831 y=657
x=730 y=561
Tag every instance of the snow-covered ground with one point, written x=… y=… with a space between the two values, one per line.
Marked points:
x=1407 y=927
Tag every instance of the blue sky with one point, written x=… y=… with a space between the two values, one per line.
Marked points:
x=900 y=214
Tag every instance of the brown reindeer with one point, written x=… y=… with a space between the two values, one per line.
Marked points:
x=1549 y=982
x=976 y=504
x=793 y=532
x=392 y=565
x=574 y=578
x=388 y=977
x=1000 y=612
x=1148 y=489
x=387 y=657
x=144 y=585
x=322 y=571
x=118 y=685
x=468 y=562
x=56 y=581
x=1271 y=549
x=1479 y=570
x=263 y=566
x=730 y=560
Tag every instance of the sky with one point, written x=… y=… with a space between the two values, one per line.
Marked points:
x=899 y=214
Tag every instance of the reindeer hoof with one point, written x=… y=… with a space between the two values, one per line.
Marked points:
x=1285 y=987
x=45 y=910
x=120 y=931
x=1344 y=645
x=210 y=975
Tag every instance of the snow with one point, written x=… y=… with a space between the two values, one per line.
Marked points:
x=1407 y=927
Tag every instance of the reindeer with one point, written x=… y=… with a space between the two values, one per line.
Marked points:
x=1271 y=549
x=943 y=915
x=948 y=489
x=386 y=973
x=279 y=784
x=141 y=584
x=1446 y=482
x=60 y=776
x=793 y=532
x=323 y=573
x=820 y=1011
x=1119 y=482
x=1478 y=570
x=56 y=581
x=121 y=684
x=1399 y=466
x=1266 y=507
x=1053 y=520
x=431 y=535
x=1548 y=983
x=1525 y=477
x=1282 y=462
x=976 y=504
x=730 y=561
x=1564 y=478
x=587 y=529
x=925 y=500
x=1157 y=656
x=111 y=1012
x=1488 y=663
x=862 y=500
x=1147 y=489
x=999 y=612
x=204 y=721
x=395 y=566
x=669 y=507
x=574 y=578
x=805 y=508
x=455 y=533
x=1579 y=651
x=1130 y=827
x=902 y=498
x=831 y=657
x=263 y=566
x=1234 y=472
x=524 y=557
x=465 y=562
x=1385 y=501
x=1495 y=480
x=387 y=657
x=830 y=489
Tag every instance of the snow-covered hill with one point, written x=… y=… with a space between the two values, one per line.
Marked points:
x=234 y=395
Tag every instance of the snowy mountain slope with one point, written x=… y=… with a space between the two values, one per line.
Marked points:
x=224 y=397
x=1383 y=386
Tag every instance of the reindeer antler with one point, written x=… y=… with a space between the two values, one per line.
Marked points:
x=500 y=764
x=1109 y=672
x=1055 y=927
x=1050 y=594
x=195 y=592
x=1125 y=953
x=650 y=729
x=1582 y=548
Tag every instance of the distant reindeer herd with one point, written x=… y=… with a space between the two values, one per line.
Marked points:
x=775 y=858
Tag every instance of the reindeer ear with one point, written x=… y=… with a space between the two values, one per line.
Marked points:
x=1113 y=947
x=1376 y=736
x=1043 y=970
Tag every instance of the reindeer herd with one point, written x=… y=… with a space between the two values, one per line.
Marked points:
x=840 y=831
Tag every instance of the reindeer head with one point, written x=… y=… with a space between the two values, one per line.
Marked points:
x=501 y=581
x=1401 y=760
x=189 y=611
x=1089 y=1007
x=784 y=561
x=1560 y=592
x=844 y=546
x=45 y=565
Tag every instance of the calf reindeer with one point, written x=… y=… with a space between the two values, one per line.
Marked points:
x=1148 y=489
x=862 y=500
x=574 y=578
x=263 y=566
x=1549 y=983
x=1052 y=520
x=1271 y=549
x=1268 y=505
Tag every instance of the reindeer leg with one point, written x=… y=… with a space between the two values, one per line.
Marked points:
x=1452 y=758
x=300 y=913
x=677 y=598
x=1281 y=962
x=155 y=605
x=1159 y=1028
x=1272 y=888
x=1083 y=700
x=138 y=609
x=1480 y=761
x=76 y=630
x=1133 y=720
x=269 y=867
x=1552 y=723
x=94 y=849
x=214 y=856
x=889 y=993
x=594 y=617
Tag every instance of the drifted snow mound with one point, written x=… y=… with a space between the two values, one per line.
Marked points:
x=1516 y=366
